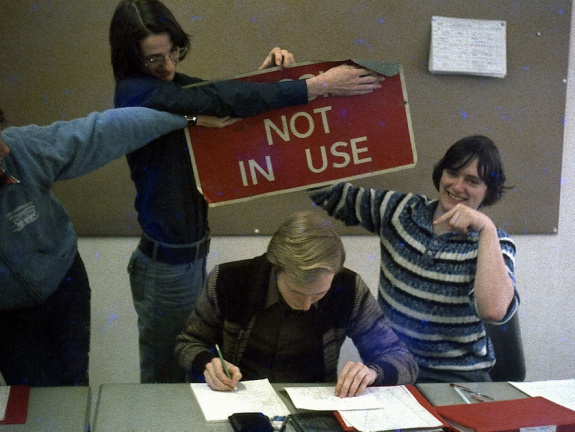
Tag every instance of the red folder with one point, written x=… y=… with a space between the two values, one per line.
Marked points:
x=420 y=398
x=510 y=415
x=17 y=408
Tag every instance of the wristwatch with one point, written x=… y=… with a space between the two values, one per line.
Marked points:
x=192 y=120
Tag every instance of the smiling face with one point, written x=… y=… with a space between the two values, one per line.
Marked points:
x=463 y=186
x=159 y=46
x=303 y=296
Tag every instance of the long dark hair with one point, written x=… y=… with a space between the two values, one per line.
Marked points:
x=133 y=21
x=489 y=165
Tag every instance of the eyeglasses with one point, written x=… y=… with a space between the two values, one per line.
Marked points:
x=157 y=60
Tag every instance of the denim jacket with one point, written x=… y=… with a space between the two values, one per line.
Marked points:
x=37 y=240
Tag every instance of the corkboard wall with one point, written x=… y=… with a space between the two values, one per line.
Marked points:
x=54 y=64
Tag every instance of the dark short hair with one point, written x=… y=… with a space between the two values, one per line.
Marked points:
x=489 y=165
x=3 y=120
x=133 y=21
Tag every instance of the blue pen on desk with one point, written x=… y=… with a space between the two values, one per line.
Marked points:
x=223 y=362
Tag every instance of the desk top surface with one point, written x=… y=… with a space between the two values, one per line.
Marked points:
x=150 y=407
x=173 y=407
x=170 y=407
x=55 y=409
x=443 y=394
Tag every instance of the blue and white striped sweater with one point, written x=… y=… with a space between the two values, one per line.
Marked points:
x=426 y=280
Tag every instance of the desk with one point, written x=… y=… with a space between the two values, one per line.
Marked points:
x=155 y=407
x=173 y=407
x=55 y=409
x=149 y=407
x=443 y=393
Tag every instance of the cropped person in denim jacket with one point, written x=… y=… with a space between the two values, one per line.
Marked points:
x=44 y=290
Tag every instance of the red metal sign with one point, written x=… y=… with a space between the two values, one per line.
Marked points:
x=328 y=140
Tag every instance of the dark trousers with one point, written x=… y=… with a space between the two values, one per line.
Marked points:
x=430 y=376
x=48 y=344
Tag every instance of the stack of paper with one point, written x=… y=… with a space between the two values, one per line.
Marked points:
x=377 y=409
x=250 y=396
x=561 y=392
x=468 y=46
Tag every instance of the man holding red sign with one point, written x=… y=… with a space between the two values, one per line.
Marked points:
x=167 y=270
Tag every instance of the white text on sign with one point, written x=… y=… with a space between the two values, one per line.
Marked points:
x=341 y=153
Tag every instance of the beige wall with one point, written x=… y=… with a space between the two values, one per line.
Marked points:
x=54 y=64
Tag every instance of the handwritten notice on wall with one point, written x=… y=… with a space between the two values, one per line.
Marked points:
x=468 y=46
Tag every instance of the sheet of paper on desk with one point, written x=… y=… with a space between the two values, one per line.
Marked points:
x=324 y=399
x=401 y=411
x=561 y=392
x=250 y=396
x=4 y=394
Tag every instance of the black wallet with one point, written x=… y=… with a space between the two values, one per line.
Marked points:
x=250 y=422
x=315 y=421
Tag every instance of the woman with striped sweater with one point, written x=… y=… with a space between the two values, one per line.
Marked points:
x=445 y=267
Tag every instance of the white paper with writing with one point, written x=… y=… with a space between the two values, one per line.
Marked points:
x=250 y=396
x=324 y=399
x=400 y=411
x=561 y=392
x=468 y=46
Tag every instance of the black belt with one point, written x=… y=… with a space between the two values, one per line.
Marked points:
x=174 y=254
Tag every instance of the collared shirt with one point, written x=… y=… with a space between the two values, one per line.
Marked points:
x=276 y=349
x=274 y=295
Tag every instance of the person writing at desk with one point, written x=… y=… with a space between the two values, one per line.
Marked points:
x=284 y=316
x=445 y=267
x=167 y=270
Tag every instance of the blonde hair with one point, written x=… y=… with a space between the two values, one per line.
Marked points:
x=305 y=245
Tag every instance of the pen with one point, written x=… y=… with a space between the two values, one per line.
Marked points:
x=478 y=398
x=475 y=395
x=223 y=362
x=461 y=395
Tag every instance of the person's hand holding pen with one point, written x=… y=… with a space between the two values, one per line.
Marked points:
x=221 y=375
x=353 y=379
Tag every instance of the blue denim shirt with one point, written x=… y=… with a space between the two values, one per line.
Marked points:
x=37 y=240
